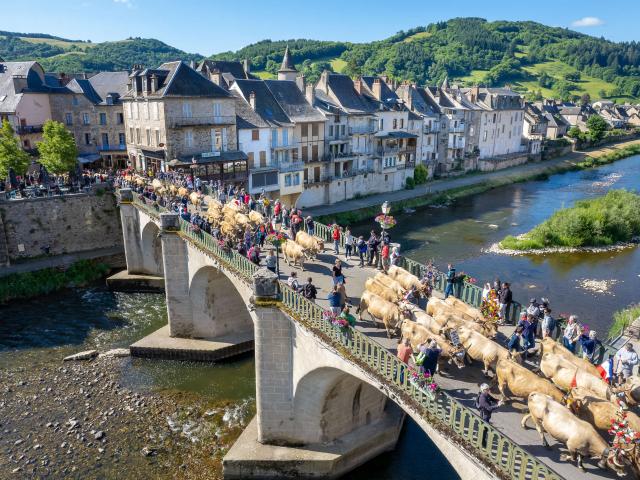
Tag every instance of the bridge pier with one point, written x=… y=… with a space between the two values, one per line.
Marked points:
x=131 y=232
x=314 y=419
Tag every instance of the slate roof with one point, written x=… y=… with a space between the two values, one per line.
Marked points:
x=10 y=97
x=287 y=62
x=342 y=91
x=104 y=83
x=292 y=101
x=245 y=116
x=229 y=67
x=267 y=107
x=385 y=92
x=184 y=81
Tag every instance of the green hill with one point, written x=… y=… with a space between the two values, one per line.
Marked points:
x=535 y=59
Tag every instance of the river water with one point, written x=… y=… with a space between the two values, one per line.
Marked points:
x=44 y=330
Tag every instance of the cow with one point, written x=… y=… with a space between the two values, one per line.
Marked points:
x=374 y=286
x=567 y=376
x=479 y=347
x=450 y=320
x=459 y=305
x=173 y=190
x=407 y=280
x=630 y=390
x=378 y=308
x=182 y=192
x=436 y=305
x=580 y=438
x=391 y=283
x=292 y=251
x=550 y=345
x=418 y=335
x=421 y=317
x=241 y=219
x=521 y=381
x=156 y=184
x=195 y=199
x=256 y=218
x=311 y=245
x=598 y=412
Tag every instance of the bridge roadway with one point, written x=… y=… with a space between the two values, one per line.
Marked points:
x=462 y=384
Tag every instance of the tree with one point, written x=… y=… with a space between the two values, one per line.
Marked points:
x=545 y=80
x=597 y=126
x=11 y=154
x=585 y=99
x=572 y=76
x=602 y=93
x=575 y=132
x=58 y=151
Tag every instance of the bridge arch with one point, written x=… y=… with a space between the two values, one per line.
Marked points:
x=330 y=403
x=151 y=246
x=217 y=307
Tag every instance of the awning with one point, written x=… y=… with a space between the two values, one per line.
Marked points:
x=89 y=158
x=208 y=158
x=395 y=134
x=157 y=154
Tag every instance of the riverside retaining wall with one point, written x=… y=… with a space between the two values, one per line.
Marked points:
x=65 y=224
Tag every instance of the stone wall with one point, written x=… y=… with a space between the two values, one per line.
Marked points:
x=66 y=224
x=500 y=163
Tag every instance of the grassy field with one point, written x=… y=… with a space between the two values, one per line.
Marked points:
x=58 y=43
x=474 y=78
x=338 y=64
x=263 y=74
x=416 y=36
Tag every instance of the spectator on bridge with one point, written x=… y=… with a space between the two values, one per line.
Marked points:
x=395 y=256
x=361 y=245
x=506 y=298
x=372 y=249
x=270 y=261
x=349 y=241
x=386 y=257
x=404 y=352
x=487 y=403
x=254 y=254
x=338 y=276
x=515 y=341
x=347 y=316
x=293 y=283
x=529 y=325
x=334 y=300
x=309 y=291
x=451 y=278
x=431 y=356
x=624 y=361
x=548 y=323
x=589 y=343
x=335 y=235
x=310 y=225
x=533 y=308
x=571 y=333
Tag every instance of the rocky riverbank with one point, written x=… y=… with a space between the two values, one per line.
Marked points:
x=77 y=420
x=496 y=248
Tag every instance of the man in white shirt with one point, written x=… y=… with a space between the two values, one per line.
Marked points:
x=624 y=361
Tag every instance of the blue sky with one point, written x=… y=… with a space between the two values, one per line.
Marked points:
x=211 y=26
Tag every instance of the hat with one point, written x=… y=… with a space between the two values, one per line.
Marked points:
x=533 y=300
x=484 y=387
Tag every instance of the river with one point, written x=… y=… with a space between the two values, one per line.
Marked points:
x=44 y=330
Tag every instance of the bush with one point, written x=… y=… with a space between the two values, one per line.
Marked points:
x=420 y=174
x=602 y=221
x=410 y=183
x=622 y=319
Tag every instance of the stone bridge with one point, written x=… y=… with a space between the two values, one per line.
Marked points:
x=326 y=401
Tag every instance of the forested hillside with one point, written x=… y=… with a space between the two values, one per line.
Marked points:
x=533 y=58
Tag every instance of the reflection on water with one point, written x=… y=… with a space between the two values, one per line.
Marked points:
x=461 y=232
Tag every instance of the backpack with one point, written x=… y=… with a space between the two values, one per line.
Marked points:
x=477 y=402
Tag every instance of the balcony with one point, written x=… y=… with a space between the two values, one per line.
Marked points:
x=202 y=121
x=341 y=156
x=107 y=147
x=27 y=129
x=459 y=143
x=363 y=129
x=291 y=166
x=458 y=129
x=265 y=168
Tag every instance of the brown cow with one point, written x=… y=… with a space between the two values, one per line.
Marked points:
x=378 y=308
x=293 y=251
x=580 y=438
x=311 y=245
x=521 y=381
x=407 y=280
x=631 y=390
x=479 y=347
x=488 y=329
x=596 y=411
x=374 y=286
x=391 y=283
x=419 y=335
x=422 y=318
x=550 y=345
x=567 y=376
x=436 y=305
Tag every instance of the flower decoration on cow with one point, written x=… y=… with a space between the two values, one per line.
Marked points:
x=624 y=437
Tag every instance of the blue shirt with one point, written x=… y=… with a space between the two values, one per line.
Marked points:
x=334 y=299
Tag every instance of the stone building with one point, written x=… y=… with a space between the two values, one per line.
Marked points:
x=175 y=118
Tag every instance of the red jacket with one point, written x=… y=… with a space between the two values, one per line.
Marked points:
x=336 y=234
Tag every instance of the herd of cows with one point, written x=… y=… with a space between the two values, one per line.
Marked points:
x=565 y=395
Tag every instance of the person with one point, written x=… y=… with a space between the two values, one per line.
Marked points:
x=384 y=254
x=404 y=350
x=309 y=291
x=506 y=297
x=348 y=244
x=451 y=278
x=431 y=355
x=362 y=249
x=310 y=225
x=514 y=342
x=395 y=256
x=529 y=325
x=347 y=316
x=372 y=249
x=338 y=277
x=334 y=300
x=571 y=333
x=292 y=281
x=485 y=292
x=335 y=235
x=589 y=343
x=624 y=361
x=486 y=403
x=533 y=308
x=548 y=323
x=270 y=261
x=343 y=294
x=254 y=254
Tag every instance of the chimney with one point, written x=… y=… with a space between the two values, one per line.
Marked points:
x=154 y=83
x=377 y=88
x=357 y=84
x=215 y=76
x=246 y=64
x=192 y=64
x=300 y=83
x=309 y=93
x=473 y=93
x=252 y=100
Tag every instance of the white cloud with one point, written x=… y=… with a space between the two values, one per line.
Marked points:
x=582 y=22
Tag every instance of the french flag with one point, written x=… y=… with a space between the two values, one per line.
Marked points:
x=606 y=370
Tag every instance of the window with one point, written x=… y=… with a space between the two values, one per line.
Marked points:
x=395 y=123
x=285 y=136
x=105 y=139
x=343 y=129
x=103 y=119
x=74 y=101
x=336 y=119
x=129 y=109
x=296 y=179
x=429 y=140
x=494 y=118
x=314 y=153
x=402 y=123
x=137 y=135
x=331 y=130
x=188 y=137
x=274 y=137
x=121 y=139
x=314 y=129
x=305 y=153
x=154 y=110
x=287 y=180
x=85 y=119
x=263 y=158
x=120 y=118
x=304 y=130
x=186 y=110
x=87 y=139
x=255 y=134
x=27 y=144
x=381 y=124
x=131 y=134
x=251 y=160
x=148 y=137
x=217 y=109
x=68 y=118
x=502 y=128
x=484 y=137
x=158 y=137
x=134 y=108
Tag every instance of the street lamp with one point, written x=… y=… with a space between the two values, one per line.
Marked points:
x=385 y=220
x=386 y=208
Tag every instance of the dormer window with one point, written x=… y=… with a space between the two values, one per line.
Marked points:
x=74 y=101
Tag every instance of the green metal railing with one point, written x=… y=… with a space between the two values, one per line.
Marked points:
x=444 y=412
